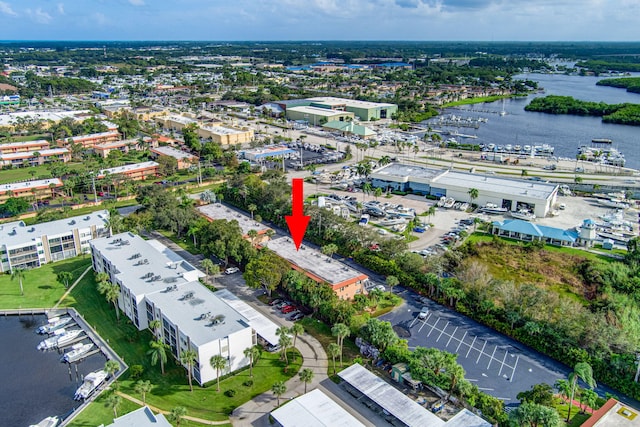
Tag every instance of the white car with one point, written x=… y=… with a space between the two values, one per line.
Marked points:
x=423 y=313
x=231 y=270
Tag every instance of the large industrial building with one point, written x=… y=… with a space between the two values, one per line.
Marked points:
x=23 y=246
x=340 y=109
x=511 y=193
x=345 y=281
x=157 y=284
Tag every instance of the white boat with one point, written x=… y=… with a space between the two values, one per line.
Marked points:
x=523 y=214
x=399 y=228
x=91 y=382
x=448 y=204
x=442 y=200
x=67 y=337
x=503 y=112
x=491 y=208
x=614 y=203
x=464 y=206
x=53 y=324
x=402 y=212
x=77 y=352
x=396 y=221
x=47 y=422
x=59 y=340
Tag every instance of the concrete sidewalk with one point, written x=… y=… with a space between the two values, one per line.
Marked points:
x=256 y=411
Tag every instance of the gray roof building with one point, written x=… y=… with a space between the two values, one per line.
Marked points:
x=142 y=417
x=194 y=309
x=218 y=211
x=314 y=409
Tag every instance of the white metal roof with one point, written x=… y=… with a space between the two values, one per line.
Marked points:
x=314 y=409
x=466 y=418
x=218 y=211
x=260 y=323
x=389 y=398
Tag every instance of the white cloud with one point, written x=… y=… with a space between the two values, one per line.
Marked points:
x=100 y=18
x=137 y=2
x=6 y=9
x=61 y=8
x=39 y=15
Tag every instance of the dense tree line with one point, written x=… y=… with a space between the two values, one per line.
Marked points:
x=626 y=114
x=632 y=84
x=39 y=86
x=619 y=64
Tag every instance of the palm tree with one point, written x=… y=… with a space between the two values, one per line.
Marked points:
x=252 y=234
x=329 y=249
x=377 y=192
x=207 y=265
x=114 y=401
x=341 y=331
x=284 y=342
x=155 y=325
x=158 y=352
x=112 y=294
x=252 y=353
x=296 y=329
x=252 y=208
x=279 y=389
x=111 y=367
x=18 y=273
x=306 y=376
x=473 y=194
x=218 y=362
x=177 y=414
x=189 y=357
x=584 y=372
x=392 y=281
x=334 y=351
x=143 y=387
x=366 y=189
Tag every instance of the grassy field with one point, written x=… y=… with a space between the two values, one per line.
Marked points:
x=322 y=332
x=172 y=389
x=38 y=172
x=577 y=419
x=478 y=100
x=41 y=289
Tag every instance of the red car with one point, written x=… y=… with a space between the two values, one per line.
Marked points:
x=287 y=309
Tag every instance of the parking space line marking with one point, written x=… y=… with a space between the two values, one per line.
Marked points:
x=451 y=336
x=514 y=369
x=503 y=360
x=481 y=351
x=433 y=327
x=487 y=389
x=492 y=354
x=442 y=331
x=461 y=341
x=471 y=346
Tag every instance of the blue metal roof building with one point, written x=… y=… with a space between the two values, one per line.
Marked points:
x=529 y=232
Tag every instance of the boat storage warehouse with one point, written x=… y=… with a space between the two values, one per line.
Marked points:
x=511 y=193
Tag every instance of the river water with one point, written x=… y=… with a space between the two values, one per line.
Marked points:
x=35 y=385
x=564 y=132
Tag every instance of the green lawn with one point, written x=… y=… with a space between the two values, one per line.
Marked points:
x=577 y=419
x=23 y=174
x=322 y=332
x=172 y=389
x=478 y=100
x=99 y=412
x=41 y=289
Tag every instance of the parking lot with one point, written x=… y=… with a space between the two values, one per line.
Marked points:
x=496 y=364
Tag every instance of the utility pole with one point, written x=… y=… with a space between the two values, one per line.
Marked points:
x=93 y=182
x=199 y=174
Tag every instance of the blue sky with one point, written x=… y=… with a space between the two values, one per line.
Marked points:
x=539 y=20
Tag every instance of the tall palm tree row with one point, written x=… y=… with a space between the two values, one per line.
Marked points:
x=189 y=358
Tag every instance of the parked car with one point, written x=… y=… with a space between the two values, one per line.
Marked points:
x=275 y=301
x=231 y=270
x=287 y=309
x=296 y=316
x=293 y=313
x=419 y=230
x=423 y=313
x=282 y=304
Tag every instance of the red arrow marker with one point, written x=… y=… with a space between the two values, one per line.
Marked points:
x=297 y=221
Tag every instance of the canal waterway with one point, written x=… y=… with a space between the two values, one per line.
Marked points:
x=35 y=384
x=564 y=132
